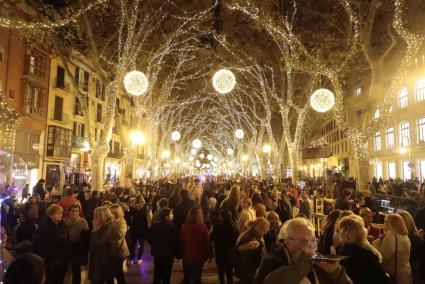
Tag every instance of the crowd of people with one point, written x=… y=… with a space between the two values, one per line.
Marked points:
x=247 y=226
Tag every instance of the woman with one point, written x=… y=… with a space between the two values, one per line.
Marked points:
x=416 y=242
x=174 y=198
x=284 y=208
x=270 y=238
x=250 y=246
x=103 y=247
x=138 y=227
x=394 y=246
x=247 y=214
x=328 y=228
x=162 y=203
x=363 y=264
x=195 y=245
x=343 y=201
x=232 y=202
x=120 y=225
x=50 y=242
x=224 y=238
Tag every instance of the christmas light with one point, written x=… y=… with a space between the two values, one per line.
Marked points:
x=322 y=100
x=175 y=136
x=196 y=143
x=239 y=133
x=210 y=157
x=229 y=151
x=224 y=81
x=136 y=83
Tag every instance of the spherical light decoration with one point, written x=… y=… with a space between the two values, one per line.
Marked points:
x=202 y=156
x=197 y=144
x=215 y=159
x=136 y=83
x=322 y=100
x=210 y=157
x=193 y=152
x=229 y=152
x=239 y=133
x=224 y=81
x=191 y=158
x=197 y=163
x=175 y=136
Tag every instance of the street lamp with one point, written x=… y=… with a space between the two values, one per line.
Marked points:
x=175 y=136
x=137 y=137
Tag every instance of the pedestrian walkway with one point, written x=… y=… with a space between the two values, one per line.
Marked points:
x=143 y=273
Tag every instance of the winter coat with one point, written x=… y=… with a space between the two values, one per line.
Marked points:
x=120 y=226
x=387 y=247
x=250 y=250
x=138 y=222
x=181 y=211
x=363 y=261
x=195 y=243
x=103 y=253
x=50 y=242
x=91 y=204
x=224 y=236
x=163 y=238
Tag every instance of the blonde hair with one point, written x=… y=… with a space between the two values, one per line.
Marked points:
x=117 y=211
x=257 y=223
x=409 y=222
x=351 y=230
x=53 y=209
x=103 y=215
x=396 y=224
x=289 y=226
x=272 y=216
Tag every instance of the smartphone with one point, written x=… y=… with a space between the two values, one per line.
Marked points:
x=329 y=258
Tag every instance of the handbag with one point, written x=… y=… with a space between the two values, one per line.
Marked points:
x=394 y=277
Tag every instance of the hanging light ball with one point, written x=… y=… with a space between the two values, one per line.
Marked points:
x=322 y=100
x=224 y=81
x=196 y=143
x=202 y=156
x=215 y=159
x=239 y=133
x=136 y=83
x=175 y=136
x=229 y=151
x=193 y=152
x=210 y=157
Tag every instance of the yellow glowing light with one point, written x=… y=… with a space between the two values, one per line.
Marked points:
x=136 y=83
x=175 y=136
x=267 y=148
x=322 y=100
x=166 y=154
x=245 y=158
x=137 y=137
x=239 y=133
x=177 y=160
x=197 y=144
x=210 y=157
x=229 y=152
x=224 y=81
x=403 y=150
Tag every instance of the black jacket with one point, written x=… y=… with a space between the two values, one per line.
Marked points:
x=362 y=265
x=50 y=242
x=90 y=205
x=163 y=238
x=224 y=236
x=181 y=211
x=138 y=221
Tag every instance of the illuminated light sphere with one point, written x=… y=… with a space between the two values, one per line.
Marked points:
x=215 y=159
x=224 y=81
x=177 y=160
x=193 y=152
x=175 y=136
x=322 y=100
x=267 y=148
x=202 y=156
x=239 y=133
x=166 y=154
x=245 y=158
x=191 y=158
x=196 y=143
x=136 y=83
x=210 y=157
x=197 y=163
x=229 y=152
x=137 y=137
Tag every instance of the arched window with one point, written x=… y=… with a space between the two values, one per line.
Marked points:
x=402 y=97
x=420 y=90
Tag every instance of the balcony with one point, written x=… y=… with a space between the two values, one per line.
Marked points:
x=79 y=142
x=35 y=112
x=116 y=155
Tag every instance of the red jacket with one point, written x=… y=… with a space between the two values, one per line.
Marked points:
x=195 y=243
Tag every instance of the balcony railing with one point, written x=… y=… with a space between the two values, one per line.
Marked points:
x=116 y=155
x=79 y=142
x=35 y=111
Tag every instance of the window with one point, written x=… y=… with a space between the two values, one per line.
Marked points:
x=11 y=94
x=378 y=169
x=99 y=113
x=421 y=129
x=358 y=92
x=58 y=108
x=60 y=77
x=420 y=90
x=100 y=90
x=402 y=96
x=77 y=108
x=359 y=113
x=2 y=56
x=86 y=81
x=36 y=63
x=59 y=142
x=390 y=138
x=404 y=134
x=406 y=170
x=79 y=129
x=392 y=173
x=377 y=141
x=34 y=100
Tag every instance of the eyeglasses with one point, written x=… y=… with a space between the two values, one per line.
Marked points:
x=304 y=241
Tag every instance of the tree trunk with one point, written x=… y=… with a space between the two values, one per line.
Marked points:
x=362 y=167
x=293 y=157
x=98 y=165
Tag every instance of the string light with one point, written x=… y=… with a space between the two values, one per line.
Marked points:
x=175 y=136
x=239 y=133
x=196 y=143
x=224 y=81
x=229 y=151
x=136 y=83
x=322 y=100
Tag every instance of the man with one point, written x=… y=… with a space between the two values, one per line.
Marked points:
x=373 y=231
x=306 y=205
x=92 y=203
x=39 y=189
x=291 y=262
x=68 y=201
x=182 y=208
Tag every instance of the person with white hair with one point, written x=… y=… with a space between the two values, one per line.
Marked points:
x=291 y=262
